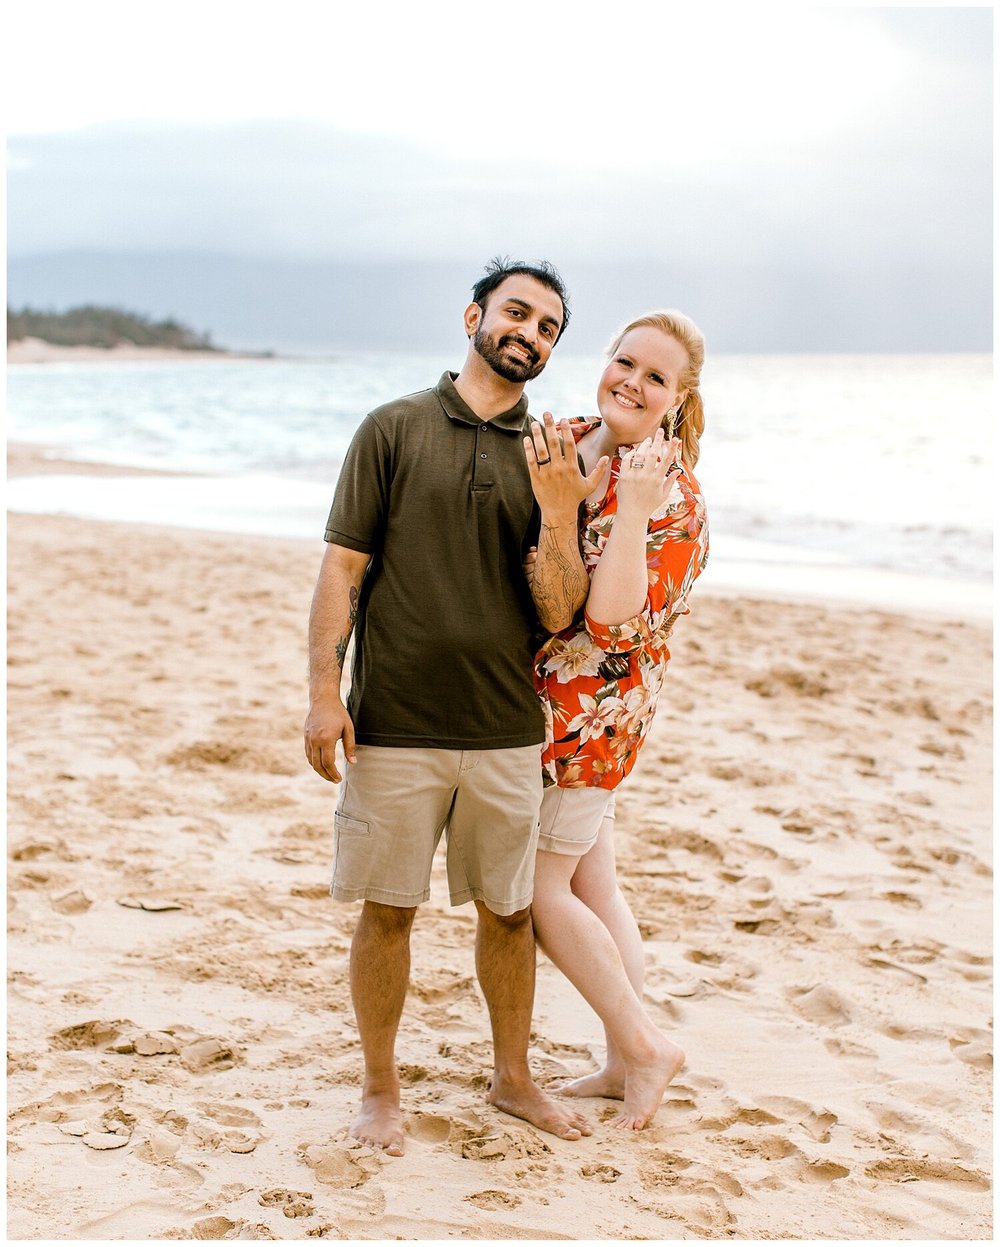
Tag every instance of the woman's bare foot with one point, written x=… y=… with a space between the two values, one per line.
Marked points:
x=380 y=1123
x=527 y=1101
x=645 y=1083
x=607 y=1083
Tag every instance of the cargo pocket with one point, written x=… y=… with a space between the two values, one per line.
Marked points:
x=349 y=865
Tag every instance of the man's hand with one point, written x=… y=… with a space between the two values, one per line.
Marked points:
x=327 y=723
x=558 y=484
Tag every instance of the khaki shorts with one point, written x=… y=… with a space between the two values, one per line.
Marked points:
x=571 y=818
x=395 y=803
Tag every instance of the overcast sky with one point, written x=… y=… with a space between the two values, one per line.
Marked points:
x=816 y=141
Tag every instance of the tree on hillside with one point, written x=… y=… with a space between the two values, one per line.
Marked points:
x=103 y=327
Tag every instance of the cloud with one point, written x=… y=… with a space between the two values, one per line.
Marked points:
x=841 y=156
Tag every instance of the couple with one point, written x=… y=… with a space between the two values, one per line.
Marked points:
x=459 y=550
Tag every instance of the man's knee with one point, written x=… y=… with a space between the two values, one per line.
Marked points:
x=387 y=920
x=504 y=923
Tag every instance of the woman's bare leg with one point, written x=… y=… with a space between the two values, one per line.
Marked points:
x=595 y=882
x=577 y=941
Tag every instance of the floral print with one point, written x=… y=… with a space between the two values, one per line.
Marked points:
x=598 y=683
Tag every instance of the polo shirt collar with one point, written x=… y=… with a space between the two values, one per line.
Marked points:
x=457 y=408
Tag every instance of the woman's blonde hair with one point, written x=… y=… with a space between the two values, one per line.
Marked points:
x=691 y=418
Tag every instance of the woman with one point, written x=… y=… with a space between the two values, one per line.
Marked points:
x=644 y=541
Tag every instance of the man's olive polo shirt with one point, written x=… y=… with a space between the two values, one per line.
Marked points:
x=444 y=634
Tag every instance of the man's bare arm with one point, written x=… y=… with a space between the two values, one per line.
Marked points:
x=559 y=583
x=331 y=621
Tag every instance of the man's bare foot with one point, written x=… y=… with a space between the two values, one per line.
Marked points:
x=529 y=1102
x=609 y=1084
x=380 y=1123
x=645 y=1083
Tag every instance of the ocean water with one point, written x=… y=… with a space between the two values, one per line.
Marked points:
x=815 y=468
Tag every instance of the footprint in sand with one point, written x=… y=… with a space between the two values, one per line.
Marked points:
x=691 y=1215
x=230 y=1114
x=973 y=1046
x=974 y=967
x=150 y=1043
x=343 y=1167
x=505 y=1143
x=922 y=1134
x=494 y=1201
x=783 y=679
x=914 y=1169
x=429 y=1127
x=600 y=1173
x=816 y=1122
x=849 y=1050
x=219 y=1227
x=765 y=1147
x=161 y=1146
x=210 y=1053
x=71 y=903
x=96 y=1034
x=665 y=1171
x=822 y=1171
x=291 y=1203
x=820 y=1004
x=107 y=1132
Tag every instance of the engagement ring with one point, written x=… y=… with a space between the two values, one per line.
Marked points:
x=637 y=462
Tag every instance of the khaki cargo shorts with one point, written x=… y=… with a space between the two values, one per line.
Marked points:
x=395 y=803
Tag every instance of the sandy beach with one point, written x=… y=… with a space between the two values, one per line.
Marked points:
x=36 y=351
x=814 y=895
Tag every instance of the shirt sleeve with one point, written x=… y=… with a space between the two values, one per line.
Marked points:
x=361 y=500
x=676 y=553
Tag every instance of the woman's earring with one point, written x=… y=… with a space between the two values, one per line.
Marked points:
x=672 y=421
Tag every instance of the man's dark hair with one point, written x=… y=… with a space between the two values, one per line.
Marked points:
x=502 y=266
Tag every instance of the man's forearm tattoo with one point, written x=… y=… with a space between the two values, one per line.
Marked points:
x=557 y=590
x=352 y=614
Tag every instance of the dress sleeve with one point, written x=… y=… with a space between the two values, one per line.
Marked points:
x=676 y=554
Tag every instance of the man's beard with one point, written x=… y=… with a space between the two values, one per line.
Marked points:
x=503 y=365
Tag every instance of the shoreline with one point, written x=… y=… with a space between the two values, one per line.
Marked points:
x=805 y=842
x=297 y=510
x=37 y=351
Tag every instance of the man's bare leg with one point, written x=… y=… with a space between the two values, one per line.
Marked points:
x=505 y=963
x=380 y=972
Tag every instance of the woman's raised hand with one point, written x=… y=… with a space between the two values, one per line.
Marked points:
x=647 y=473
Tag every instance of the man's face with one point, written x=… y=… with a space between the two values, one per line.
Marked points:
x=518 y=327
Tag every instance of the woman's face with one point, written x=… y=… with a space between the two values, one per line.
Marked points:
x=640 y=383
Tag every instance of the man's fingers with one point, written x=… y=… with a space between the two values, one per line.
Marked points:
x=349 y=750
x=555 y=435
x=592 y=478
x=538 y=444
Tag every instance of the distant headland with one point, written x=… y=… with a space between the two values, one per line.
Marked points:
x=91 y=332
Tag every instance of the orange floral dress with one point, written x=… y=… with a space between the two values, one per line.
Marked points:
x=598 y=683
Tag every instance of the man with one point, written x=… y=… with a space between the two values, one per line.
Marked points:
x=431 y=521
